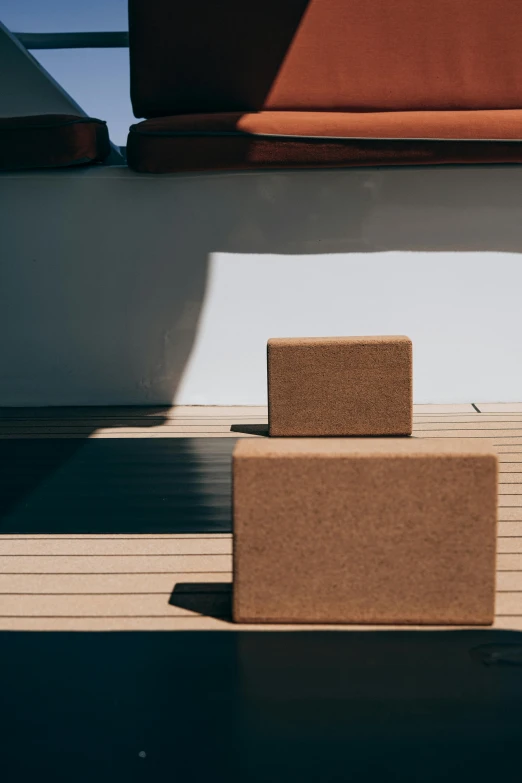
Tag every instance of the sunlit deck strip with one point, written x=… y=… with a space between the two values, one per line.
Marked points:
x=126 y=536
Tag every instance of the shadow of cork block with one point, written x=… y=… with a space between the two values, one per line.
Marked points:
x=364 y=530
x=338 y=386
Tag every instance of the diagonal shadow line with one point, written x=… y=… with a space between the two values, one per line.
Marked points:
x=250 y=429
x=210 y=599
x=29 y=462
x=124 y=486
x=234 y=69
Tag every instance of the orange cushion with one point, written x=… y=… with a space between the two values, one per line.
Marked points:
x=51 y=140
x=323 y=139
x=343 y=55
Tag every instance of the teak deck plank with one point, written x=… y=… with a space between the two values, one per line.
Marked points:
x=152 y=574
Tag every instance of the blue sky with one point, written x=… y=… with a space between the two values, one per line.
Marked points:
x=98 y=79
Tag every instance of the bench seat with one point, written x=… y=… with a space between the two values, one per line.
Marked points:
x=302 y=139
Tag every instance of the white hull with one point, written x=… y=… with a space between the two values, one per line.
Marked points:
x=118 y=288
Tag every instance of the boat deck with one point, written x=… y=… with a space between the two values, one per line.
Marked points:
x=119 y=518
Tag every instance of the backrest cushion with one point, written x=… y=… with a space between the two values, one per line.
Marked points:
x=191 y=56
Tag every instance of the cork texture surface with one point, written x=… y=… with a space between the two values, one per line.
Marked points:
x=340 y=386
x=380 y=531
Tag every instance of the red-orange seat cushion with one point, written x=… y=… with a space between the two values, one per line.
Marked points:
x=51 y=141
x=296 y=139
x=324 y=55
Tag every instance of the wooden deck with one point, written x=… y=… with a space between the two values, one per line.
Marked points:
x=119 y=518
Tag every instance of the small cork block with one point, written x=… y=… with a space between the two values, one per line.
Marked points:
x=336 y=386
x=354 y=530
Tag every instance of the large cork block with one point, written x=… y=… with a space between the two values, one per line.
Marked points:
x=354 y=530
x=340 y=386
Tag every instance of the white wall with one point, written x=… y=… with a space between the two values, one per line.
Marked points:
x=118 y=288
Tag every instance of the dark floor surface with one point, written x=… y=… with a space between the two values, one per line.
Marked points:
x=327 y=706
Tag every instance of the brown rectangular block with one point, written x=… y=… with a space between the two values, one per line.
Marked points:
x=354 y=530
x=330 y=386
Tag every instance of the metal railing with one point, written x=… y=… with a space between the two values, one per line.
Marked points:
x=116 y=40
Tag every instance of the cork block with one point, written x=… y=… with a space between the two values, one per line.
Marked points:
x=364 y=530
x=340 y=386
